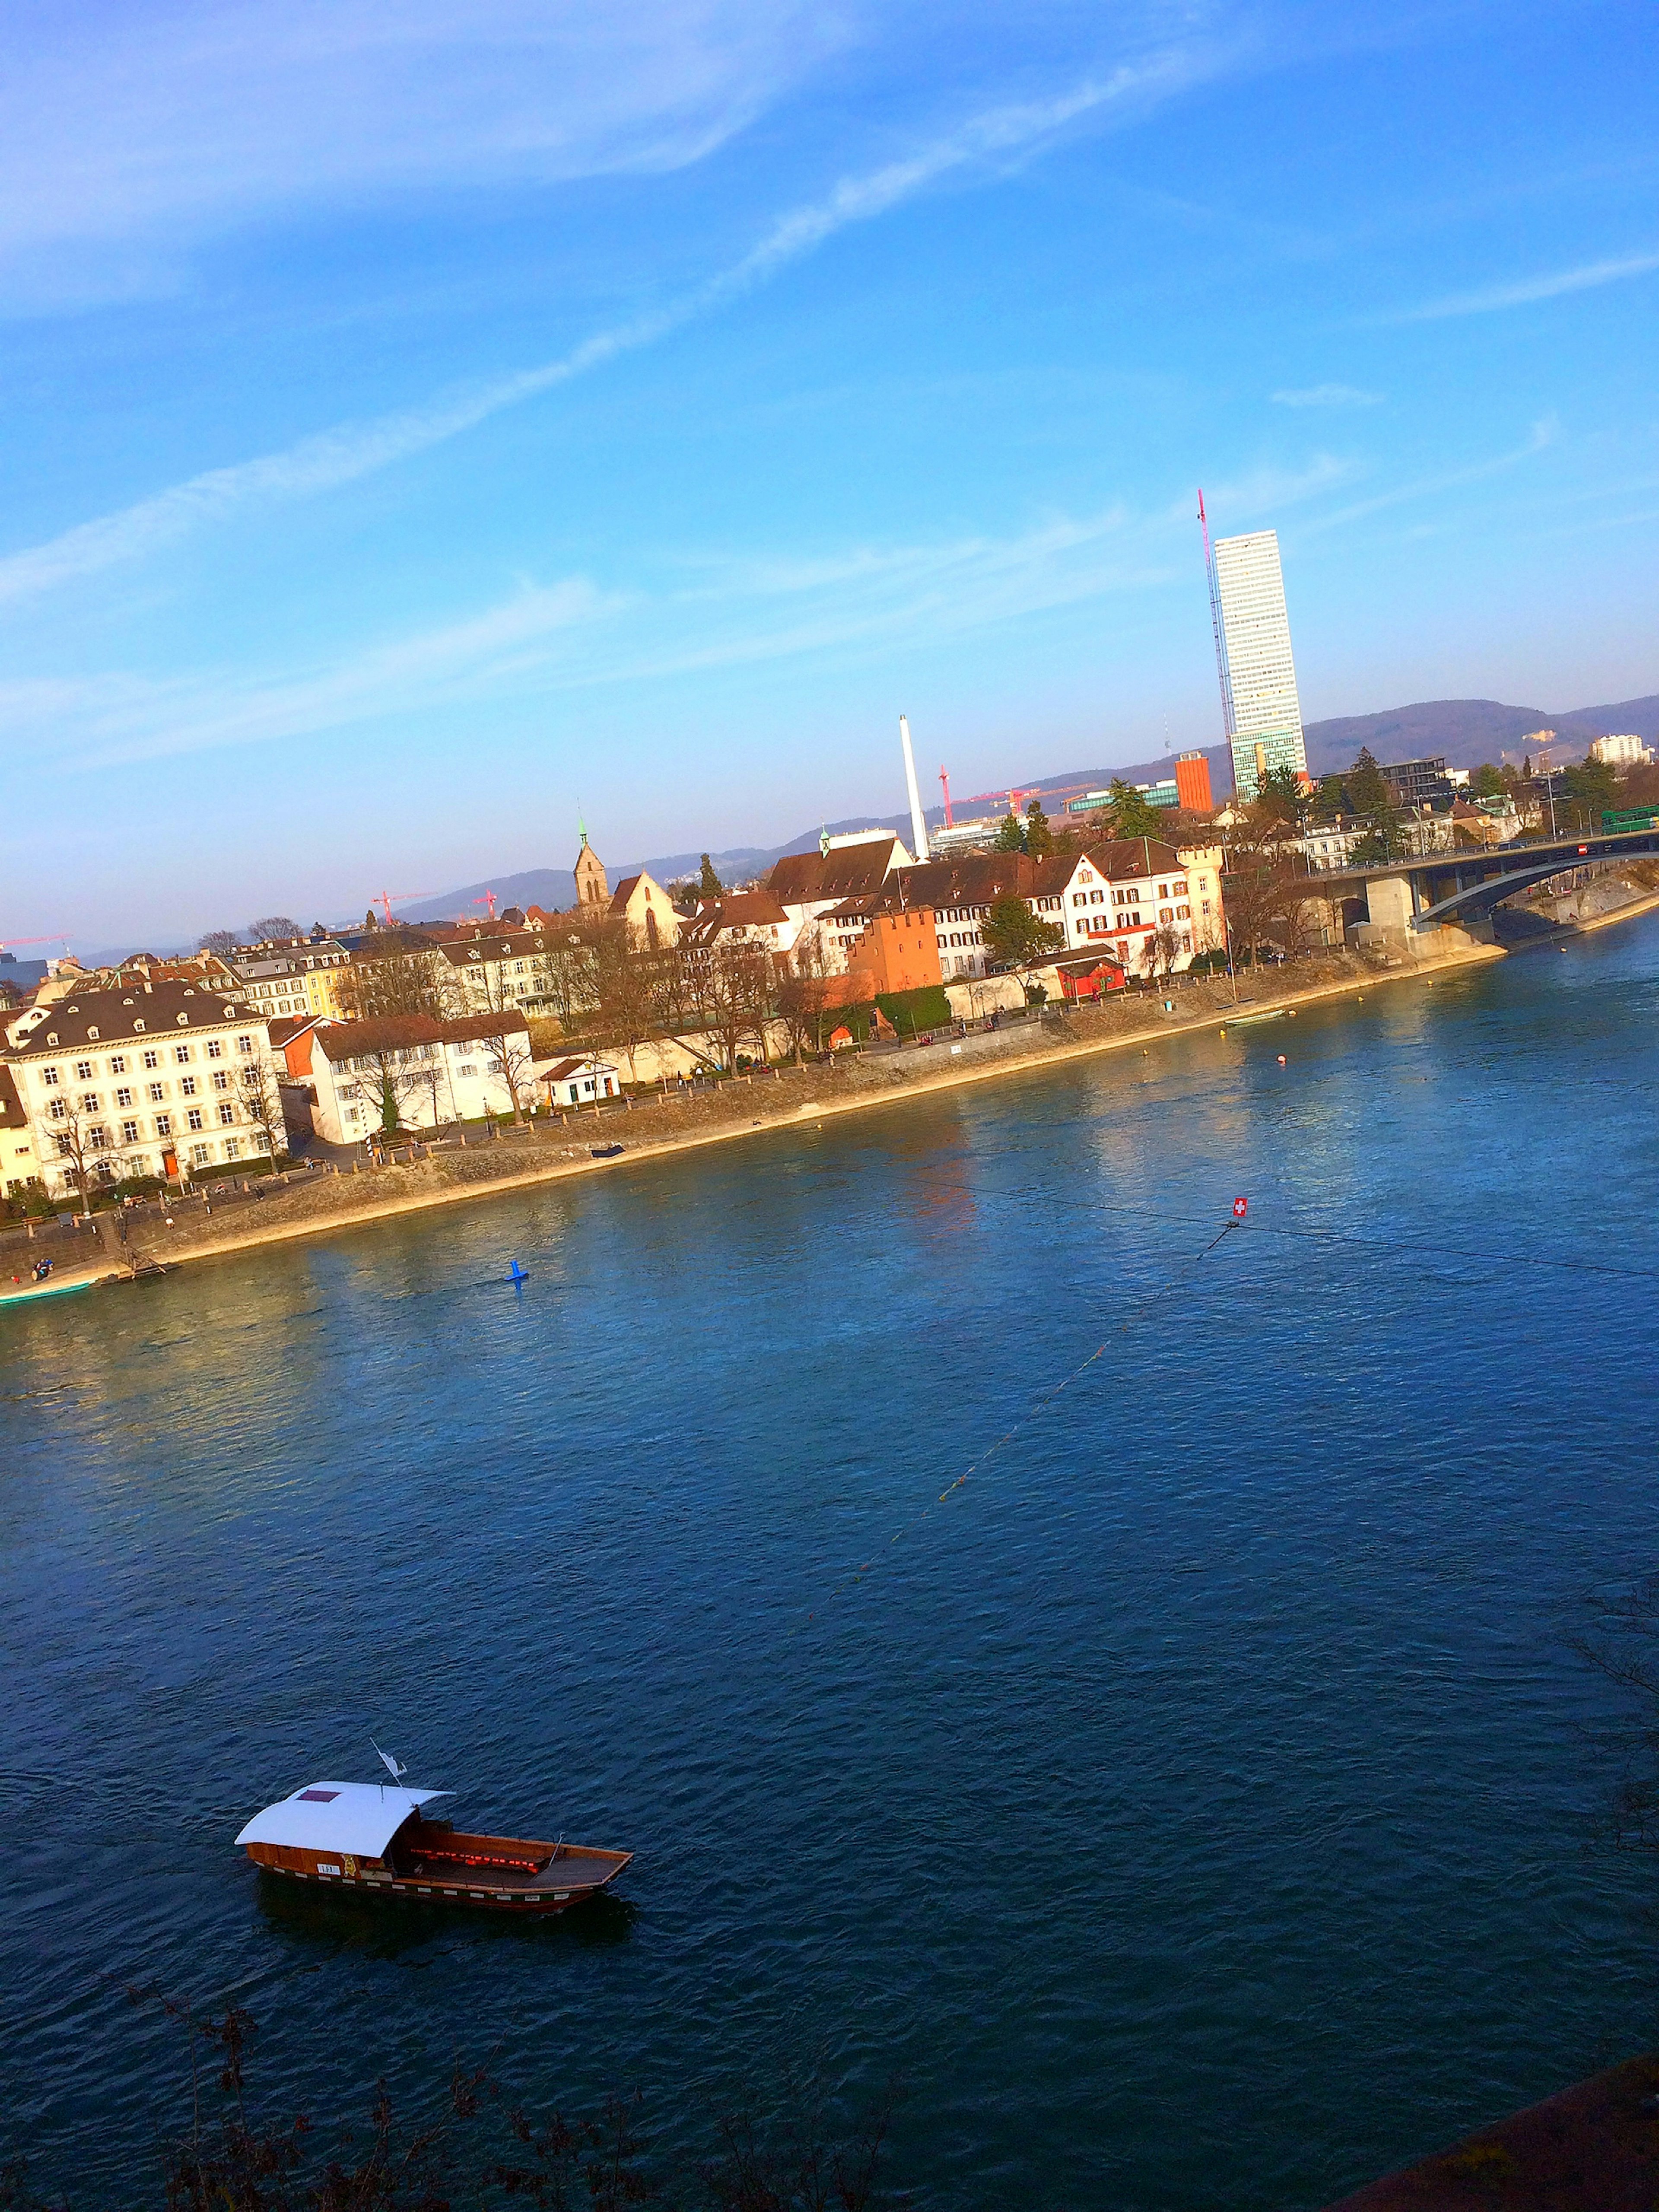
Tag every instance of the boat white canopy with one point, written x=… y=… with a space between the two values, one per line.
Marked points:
x=359 y=1817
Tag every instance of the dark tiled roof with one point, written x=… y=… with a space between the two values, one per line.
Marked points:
x=739 y=909
x=12 y=1115
x=844 y=871
x=515 y=944
x=971 y=879
x=561 y=1068
x=1121 y=857
x=105 y=1016
x=286 y=1028
x=342 y=1041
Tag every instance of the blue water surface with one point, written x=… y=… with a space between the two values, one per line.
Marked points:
x=1195 y=1807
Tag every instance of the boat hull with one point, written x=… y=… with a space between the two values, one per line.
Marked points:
x=492 y=1874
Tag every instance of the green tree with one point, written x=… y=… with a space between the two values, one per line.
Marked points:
x=1367 y=792
x=710 y=886
x=1018 y=938
x=1131 y=815
x=1329 y=798
x=1039 y=837
x=1591 y=787
x=1486 y=782
x=1010 y=838
x=1384 y=841
x=1280 y=796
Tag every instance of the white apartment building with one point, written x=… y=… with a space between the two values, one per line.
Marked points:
x=20 y=1168
x=1120 y=896
x=154 y=1079
x=1624 y=752
x=436 y=1072
x=495 y=969
x=1266 y=713
x=1326 y=845
x=287 y=982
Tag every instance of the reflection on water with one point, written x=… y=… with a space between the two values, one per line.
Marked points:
x=1201 y=1793
x=390 y=1927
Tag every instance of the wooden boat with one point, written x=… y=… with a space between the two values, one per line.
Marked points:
x=44 y=1290
x=376 y=1838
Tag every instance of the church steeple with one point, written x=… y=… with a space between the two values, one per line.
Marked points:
x=593 y=887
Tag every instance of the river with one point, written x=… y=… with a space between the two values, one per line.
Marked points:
x=1195 y=1807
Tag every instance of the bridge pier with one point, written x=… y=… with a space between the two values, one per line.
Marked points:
x=1393 y=903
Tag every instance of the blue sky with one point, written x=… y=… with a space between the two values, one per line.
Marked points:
x=420 y=420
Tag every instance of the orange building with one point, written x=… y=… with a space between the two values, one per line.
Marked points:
x=1193 y=784
x=895 y=952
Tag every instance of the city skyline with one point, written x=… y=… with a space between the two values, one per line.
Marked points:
x=444 y=422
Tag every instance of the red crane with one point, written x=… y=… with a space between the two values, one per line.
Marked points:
x=56 y=938
x=489 y=900
x=944 y=779
x=389 y=899
x=1223 y=672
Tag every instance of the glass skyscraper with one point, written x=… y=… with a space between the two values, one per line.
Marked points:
x=1266 y=714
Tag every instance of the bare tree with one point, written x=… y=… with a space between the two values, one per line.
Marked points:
x=262 y=1102
x=504 y=1034
x=391 y=1074
x=383 y=986
x=572 y=955
x=639 y=990
x=220 y=941
x=1263 y=893
x=731 y=994
x=800 y=992
x=82 y=1145
x=507 y=1051
x=274 y=928
x=1163 y=949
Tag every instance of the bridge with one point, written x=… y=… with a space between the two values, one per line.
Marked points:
x=1418 y=895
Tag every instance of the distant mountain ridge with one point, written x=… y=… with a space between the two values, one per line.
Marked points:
x=1466 y=731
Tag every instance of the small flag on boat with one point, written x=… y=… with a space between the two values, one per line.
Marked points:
x=1241 y=1207
x=396 y=1772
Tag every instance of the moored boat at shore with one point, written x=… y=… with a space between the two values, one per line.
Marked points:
x=378 y=1838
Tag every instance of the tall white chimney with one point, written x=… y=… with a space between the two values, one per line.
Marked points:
x=918 y=826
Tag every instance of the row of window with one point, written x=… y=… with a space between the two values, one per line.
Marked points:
x=201 y=1156
x=85 y=1069
x=98 y=1137
x=57 y=1108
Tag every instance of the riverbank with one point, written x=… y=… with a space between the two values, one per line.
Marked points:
x=741 y=1107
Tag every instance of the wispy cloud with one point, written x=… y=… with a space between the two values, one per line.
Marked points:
x=179 y=121
x=1491 y=299
x=1327 y=395
x=341 y=455
x=1543 y=434
x=120 y=720
x=574 y=636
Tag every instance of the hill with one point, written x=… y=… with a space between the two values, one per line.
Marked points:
x=1466 y=731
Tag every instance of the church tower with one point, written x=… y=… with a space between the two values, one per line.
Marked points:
x=593 y=889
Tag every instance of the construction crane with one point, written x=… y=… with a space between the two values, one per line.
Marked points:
x=1016 y=793
x=56 y=938
x=389 y=899
x=1222 y=673
x=944 y=781
x=489 y=900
